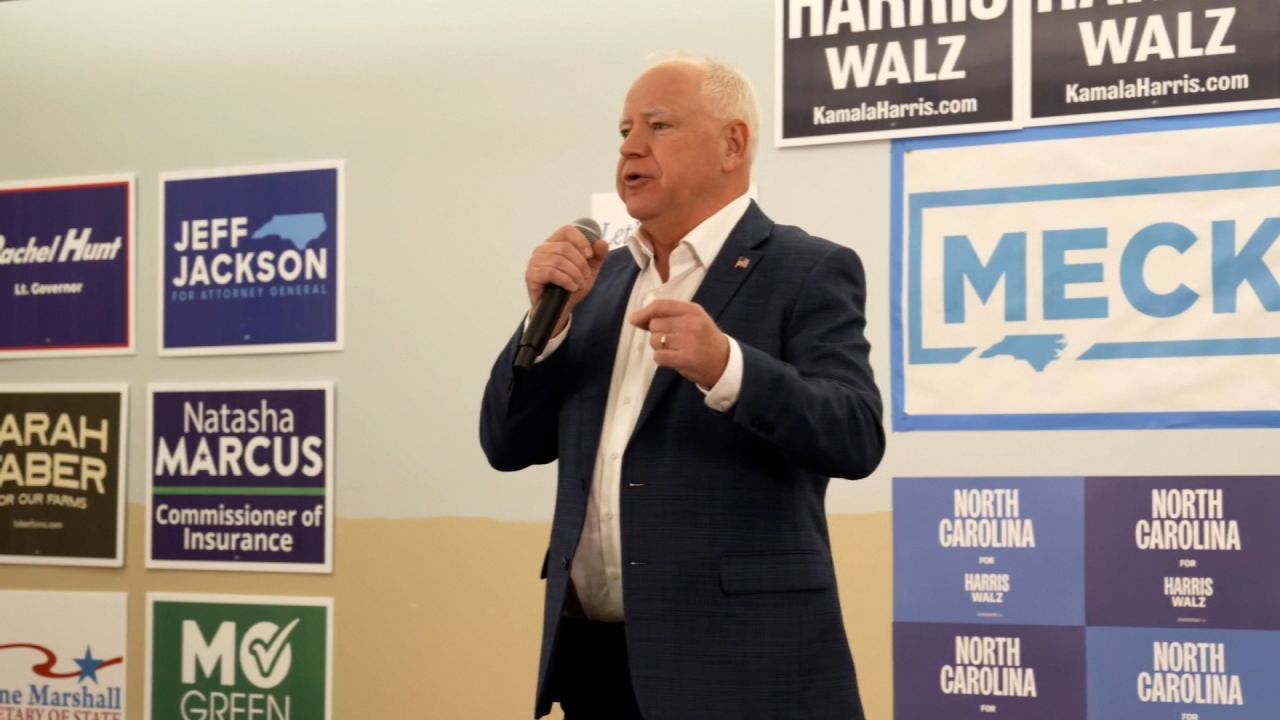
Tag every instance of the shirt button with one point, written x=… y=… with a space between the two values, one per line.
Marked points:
x=608 y=515
x=626 y=400
x=613 y=456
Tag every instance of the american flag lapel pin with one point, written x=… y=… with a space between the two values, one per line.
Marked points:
x=743 y=263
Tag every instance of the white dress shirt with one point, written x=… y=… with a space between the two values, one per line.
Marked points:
x=597 y=564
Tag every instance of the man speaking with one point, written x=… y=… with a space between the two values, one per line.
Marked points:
x=698 y=391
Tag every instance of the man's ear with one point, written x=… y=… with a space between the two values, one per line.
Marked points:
x=737 y=143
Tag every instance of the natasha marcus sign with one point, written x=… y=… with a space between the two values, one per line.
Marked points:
x=241 y=477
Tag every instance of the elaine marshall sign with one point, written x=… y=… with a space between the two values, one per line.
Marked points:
x=1095 y=60
x=62 y=474
x=252 y=260
x=62 y=655
x=1119 y=275
x=243 y=657
x=66 y=267
x=874 y=69
x=240 y=477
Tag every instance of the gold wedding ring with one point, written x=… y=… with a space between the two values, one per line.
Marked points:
x=663 y=342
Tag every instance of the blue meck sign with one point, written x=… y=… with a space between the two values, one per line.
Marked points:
x=1083 y=278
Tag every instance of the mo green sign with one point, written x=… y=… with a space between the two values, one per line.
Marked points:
x=239 y=658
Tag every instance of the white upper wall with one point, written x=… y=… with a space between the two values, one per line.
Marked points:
x=470 y=131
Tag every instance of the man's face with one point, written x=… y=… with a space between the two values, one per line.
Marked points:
x=669 y=172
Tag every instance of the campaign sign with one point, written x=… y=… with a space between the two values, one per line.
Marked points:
x=997 y=550
x=1103 y=276
x=240 y=477
x=62 y=655
x=616 y=226
x=66 y=267
x=871 y=69
x=1183 y=551
x=1151 y=674
x=1141 y=58
x=211 y=656
x=252 y=260
x=1011 y=672
x=62 y=474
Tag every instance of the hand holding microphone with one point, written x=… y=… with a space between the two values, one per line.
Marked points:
x=561 y=272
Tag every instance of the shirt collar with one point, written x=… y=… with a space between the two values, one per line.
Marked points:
x=705 y=240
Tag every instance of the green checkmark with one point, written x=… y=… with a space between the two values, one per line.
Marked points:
x=268 y=653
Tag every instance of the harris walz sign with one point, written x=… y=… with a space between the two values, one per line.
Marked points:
x=874 y=69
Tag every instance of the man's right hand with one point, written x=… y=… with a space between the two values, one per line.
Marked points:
x=568 y=260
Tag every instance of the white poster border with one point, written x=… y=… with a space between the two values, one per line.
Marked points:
x=1162 y=112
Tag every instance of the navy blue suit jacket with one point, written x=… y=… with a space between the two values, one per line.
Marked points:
x=728 y=587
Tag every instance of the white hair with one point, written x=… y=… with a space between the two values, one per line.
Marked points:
x=728 y=93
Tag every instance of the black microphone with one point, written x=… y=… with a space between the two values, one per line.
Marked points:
x=542 y=321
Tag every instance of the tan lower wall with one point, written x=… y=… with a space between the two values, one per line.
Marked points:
x=439 y=618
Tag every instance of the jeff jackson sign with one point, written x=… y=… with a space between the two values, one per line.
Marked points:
x=252 y=260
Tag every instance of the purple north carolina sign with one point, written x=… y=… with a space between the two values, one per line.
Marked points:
x=1194 y=552
x=1013 y=672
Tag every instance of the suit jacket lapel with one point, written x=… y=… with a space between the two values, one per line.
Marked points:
x=738 y=257
x=600 y=320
